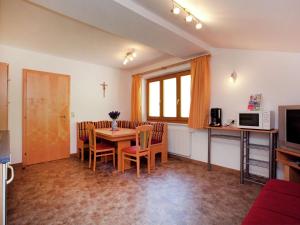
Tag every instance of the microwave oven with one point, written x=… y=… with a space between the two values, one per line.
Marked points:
x=262 y=120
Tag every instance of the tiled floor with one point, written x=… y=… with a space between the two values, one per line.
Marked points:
x=67 y=192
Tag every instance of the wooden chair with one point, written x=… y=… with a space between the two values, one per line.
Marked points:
x=142 y=148
x=98 y=149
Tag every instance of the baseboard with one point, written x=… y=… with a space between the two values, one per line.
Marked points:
x=73 y=154
x=214 y=167
x=21 y=164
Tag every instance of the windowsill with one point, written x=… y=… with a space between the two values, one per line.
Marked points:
x=178 y=124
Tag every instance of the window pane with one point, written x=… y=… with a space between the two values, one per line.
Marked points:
x=154 y=96
x=170 y=97
x=185 y=95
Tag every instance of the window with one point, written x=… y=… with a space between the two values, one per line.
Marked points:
x=168 y=97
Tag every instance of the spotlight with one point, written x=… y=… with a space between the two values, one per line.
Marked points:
x=189 y=18
x=198 y=26
x=176 y=10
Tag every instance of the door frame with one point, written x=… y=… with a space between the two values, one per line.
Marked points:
x=24 y=97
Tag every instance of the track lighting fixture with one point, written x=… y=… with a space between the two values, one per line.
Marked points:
x=129 y=57
x=189 y=17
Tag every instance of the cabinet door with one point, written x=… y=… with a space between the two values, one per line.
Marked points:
x=3 y=96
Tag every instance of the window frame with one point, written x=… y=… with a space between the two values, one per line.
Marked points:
x=161 y=118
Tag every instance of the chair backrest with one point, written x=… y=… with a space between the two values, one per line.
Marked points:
x=143 y=137
x=92 y=135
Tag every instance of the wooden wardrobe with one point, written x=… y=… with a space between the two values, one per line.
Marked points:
x=46 y=116
x=3 y=96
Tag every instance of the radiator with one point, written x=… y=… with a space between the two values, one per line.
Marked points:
x=180 y=139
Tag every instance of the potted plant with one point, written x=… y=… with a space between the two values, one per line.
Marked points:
x=114 y=115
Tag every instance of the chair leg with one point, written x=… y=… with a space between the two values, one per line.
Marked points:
x=82 y=154
x=105 y=159
x=90 y=158
x=148 y=162
x=114 y=159
x=94 y=167
x=164 y=155
x=152 y=161
x=123 y=161
x=78 y=153
x=138 y=166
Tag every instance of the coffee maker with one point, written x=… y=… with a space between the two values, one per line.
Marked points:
x=215 y=117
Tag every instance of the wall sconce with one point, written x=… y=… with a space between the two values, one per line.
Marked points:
x=233 y=77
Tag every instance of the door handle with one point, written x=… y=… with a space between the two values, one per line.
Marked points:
x=12 y=174
x=64 y=117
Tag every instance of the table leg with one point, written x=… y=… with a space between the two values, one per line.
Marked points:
x=242 y=157
x=271 y=155
x=209 y=149
x=120 y=146
x=247 y=152
x=274 y=156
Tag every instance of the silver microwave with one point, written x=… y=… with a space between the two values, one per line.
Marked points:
x=262 y=120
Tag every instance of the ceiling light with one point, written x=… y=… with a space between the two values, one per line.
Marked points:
x=176 y=10
x=189 y=18
x=129 y=56
x=198 y=26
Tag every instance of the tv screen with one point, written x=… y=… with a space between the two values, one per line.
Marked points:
x=293 y=126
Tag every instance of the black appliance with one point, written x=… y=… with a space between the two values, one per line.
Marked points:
x=216 y=117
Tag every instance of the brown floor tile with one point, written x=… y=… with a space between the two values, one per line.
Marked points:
x=67 y=192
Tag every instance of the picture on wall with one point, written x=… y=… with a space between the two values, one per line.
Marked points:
x=255 y=102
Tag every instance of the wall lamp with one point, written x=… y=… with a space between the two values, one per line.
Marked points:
x=233 y=77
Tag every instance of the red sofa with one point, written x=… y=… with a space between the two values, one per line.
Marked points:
x=277 y=203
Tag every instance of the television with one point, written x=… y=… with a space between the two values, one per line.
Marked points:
x=289 y=126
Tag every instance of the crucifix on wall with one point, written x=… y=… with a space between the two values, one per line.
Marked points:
x=104 y=85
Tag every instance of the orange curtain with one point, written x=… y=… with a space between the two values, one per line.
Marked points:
x=200 y=92
x=136 y=98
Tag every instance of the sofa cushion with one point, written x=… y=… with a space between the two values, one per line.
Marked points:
x=155 y=141
x=82 y=129
x=124 y=123
x=284 y=187
x=277 y=203
x=258 y=216
x=102 y=124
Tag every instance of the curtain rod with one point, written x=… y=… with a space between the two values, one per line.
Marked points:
x=169 y=66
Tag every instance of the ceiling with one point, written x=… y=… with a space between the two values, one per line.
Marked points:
x=242 y=24
x=102 y=31
x=28 y=26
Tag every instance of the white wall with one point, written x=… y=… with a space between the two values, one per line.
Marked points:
x=274 y=74
x=87 y=102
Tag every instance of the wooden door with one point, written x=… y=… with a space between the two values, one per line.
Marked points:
x=3 y=96
x=46 y=116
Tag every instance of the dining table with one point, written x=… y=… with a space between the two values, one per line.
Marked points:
x=122 y=137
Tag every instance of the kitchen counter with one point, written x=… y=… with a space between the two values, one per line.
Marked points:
x=4 y=147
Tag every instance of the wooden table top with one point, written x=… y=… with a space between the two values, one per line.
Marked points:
x=233 y=128
x=120 y=134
